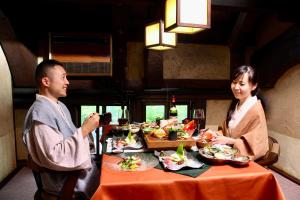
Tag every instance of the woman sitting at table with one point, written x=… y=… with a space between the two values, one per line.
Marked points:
x=245 y=126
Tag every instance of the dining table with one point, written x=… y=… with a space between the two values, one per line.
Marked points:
x=218 y=182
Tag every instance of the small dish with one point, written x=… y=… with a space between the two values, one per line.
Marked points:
x=240 y=160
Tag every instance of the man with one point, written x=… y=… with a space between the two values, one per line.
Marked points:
x=52 y=140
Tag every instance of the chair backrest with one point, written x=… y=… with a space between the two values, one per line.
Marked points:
x=68 y=186
x=272 y=155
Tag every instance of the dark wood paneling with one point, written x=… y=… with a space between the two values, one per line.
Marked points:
x=196 y=84
x=154 y=69
x=278 y=56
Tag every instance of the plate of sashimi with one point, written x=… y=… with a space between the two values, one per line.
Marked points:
x=176 y=160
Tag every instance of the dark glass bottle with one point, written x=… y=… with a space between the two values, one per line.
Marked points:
x=173 y=109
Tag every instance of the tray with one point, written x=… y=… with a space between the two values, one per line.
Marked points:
x=156 y=143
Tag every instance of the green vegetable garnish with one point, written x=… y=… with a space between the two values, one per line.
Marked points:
x=129 y=136
x=180 y=151
x=130 y=140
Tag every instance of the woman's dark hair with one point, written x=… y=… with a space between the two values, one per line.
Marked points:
x=42 y=69
x=252 y=78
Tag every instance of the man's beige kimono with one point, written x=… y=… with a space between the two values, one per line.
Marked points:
x=251 y=133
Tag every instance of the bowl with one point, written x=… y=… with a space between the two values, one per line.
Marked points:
x=240 y=160
x=134 y=129
x=200 y=143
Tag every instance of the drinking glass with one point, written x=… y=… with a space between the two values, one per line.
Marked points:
x=124 y=117
x=199 y=117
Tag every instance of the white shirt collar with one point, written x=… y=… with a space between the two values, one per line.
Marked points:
x=238 y=114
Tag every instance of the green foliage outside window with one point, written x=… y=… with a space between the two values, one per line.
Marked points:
x=85 y=111
x=182 y=111
x=116 y=112
x=154 y=111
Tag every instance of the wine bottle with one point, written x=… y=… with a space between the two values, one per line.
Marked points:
x=173 y=109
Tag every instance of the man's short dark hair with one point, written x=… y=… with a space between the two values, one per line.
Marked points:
x=43 y=67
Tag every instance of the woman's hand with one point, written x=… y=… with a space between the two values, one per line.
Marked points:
x=90 y=124
x=220 y=139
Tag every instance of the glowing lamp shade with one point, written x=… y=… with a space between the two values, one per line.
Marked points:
x=187 y=16
x=156 y=38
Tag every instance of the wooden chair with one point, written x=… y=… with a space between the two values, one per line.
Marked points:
x=272 y=155
x=68 y=187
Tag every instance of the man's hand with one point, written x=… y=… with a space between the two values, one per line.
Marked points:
x=90 y=124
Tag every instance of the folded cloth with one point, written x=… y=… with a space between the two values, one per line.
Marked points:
x=193 y=172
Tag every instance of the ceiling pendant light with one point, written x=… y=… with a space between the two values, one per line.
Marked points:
x=156 y=38
x=187 y=16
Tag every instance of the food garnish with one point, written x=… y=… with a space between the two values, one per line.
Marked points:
x=130 y=163
x=218 y=151
x=181 y=134
x=130 y=139
x=159 y=133
x=190 y=126
x=176 y=158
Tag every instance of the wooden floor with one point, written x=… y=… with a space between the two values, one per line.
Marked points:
x=22 y=187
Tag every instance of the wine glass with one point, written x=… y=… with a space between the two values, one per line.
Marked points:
x=199 y=116
x=124 y=116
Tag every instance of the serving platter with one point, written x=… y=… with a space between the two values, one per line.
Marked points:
x=163 y=143
x=223 y=154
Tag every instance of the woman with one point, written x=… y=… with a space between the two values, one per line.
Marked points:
x=245 y=127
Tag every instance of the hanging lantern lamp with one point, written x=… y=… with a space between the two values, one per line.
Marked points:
x=187 y=16
x=156 y=38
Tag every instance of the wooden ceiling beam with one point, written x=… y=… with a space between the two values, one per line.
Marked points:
x=245 y=5
x=237 y=29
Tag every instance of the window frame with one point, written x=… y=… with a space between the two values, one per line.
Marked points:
x=167 y=107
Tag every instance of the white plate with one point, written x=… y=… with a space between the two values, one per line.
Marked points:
x=137 y=145
x=190 y=160
x=148 y=161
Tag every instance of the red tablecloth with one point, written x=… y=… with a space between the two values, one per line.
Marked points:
x=217 y=183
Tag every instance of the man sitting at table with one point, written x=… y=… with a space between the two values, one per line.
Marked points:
x=52 y=139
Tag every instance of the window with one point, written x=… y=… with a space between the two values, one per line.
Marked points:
x=154 y=111
x=116 y=113
x=85 y=111
x=182 y=111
